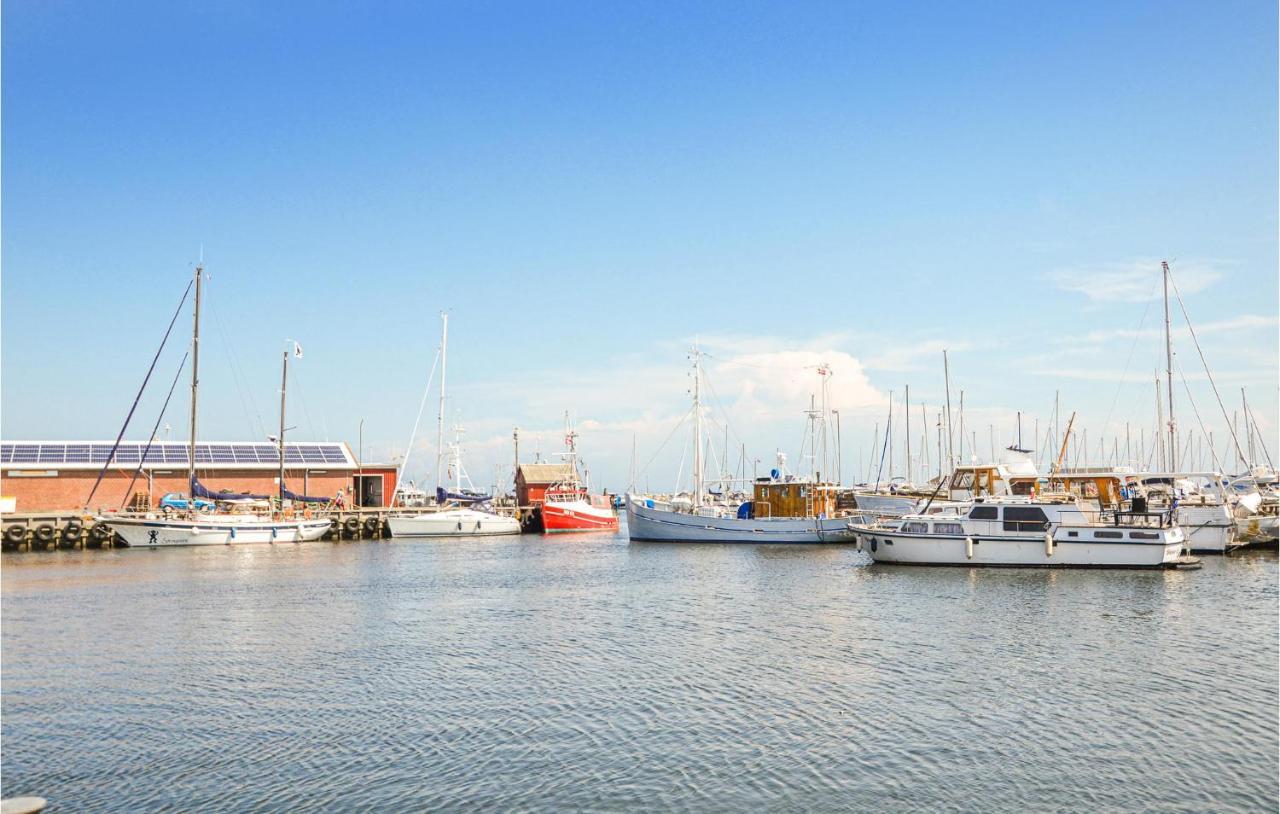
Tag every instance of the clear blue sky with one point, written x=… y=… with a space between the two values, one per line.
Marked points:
x=588 y=186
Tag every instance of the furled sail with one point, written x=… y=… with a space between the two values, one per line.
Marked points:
x=443 y=496
x=200 y=490
x=304 y=498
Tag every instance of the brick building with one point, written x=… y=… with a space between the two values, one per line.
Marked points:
x=59 y=475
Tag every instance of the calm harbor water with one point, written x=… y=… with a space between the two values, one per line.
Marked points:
x=590 y=673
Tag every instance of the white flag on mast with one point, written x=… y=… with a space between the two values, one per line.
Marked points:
x=297 y=351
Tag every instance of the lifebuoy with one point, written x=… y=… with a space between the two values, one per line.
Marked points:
x=15 y=534
x=351 y=525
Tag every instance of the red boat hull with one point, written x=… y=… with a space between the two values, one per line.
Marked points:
x=560 y=517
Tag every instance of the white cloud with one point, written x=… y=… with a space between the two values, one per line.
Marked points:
x=925 y=355
x=1244 y=322
x=1136 y=280
x=778 y=384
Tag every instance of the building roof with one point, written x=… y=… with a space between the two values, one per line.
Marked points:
x=73 y=455
x=547 y=473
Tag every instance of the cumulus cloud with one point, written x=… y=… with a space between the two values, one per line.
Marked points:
x=778 y=384
x=1136 y=280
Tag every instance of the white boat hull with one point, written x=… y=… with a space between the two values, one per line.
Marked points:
x=214 y=530
x=453 y=523
x=894 y=547
x=1210 y=529
x=1258 y=529
x=646 y=524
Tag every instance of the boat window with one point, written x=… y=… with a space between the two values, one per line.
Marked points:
x=1143 y=535
x=984 y=513
x=1108 y=535
x=915 y=528
x=1024 y=518
x=962 y=480
x=948 y=528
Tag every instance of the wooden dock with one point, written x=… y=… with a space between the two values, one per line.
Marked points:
x=67 y=530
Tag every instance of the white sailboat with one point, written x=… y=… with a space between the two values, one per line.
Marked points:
x=459 y=515
x=151 y=530
x=784 y=509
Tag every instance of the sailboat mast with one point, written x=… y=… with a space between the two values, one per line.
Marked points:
x=888 y=428
x=195 y=389
x=698 y=428
x=1168 y=355
x=906 y=417
x=1248 y=428
x=951 y=456
x=284 y=386
x=1163 y=462
x=444 y=350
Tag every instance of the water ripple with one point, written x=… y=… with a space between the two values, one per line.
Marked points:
x=592 y=674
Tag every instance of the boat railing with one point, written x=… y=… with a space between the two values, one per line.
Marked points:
x=1145 y=519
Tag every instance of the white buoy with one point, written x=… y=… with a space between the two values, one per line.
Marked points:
x=1048 y=544
x=968 y=547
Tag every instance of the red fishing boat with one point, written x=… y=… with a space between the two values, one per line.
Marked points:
x=569 y=505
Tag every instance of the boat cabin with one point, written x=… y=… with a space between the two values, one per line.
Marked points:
x=1110 y=488
x=774 y=498
x=970 y=481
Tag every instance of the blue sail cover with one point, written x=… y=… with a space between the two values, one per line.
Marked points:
x=304 y=498
x=443 y=495
x=198 y=489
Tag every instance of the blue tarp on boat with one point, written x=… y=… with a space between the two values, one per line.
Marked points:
x=443 y=495
x=304 y=498
x=198 y=489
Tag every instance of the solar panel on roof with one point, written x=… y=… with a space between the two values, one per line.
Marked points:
x=157 y=453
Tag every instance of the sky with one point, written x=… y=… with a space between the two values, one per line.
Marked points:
x=590 y=188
